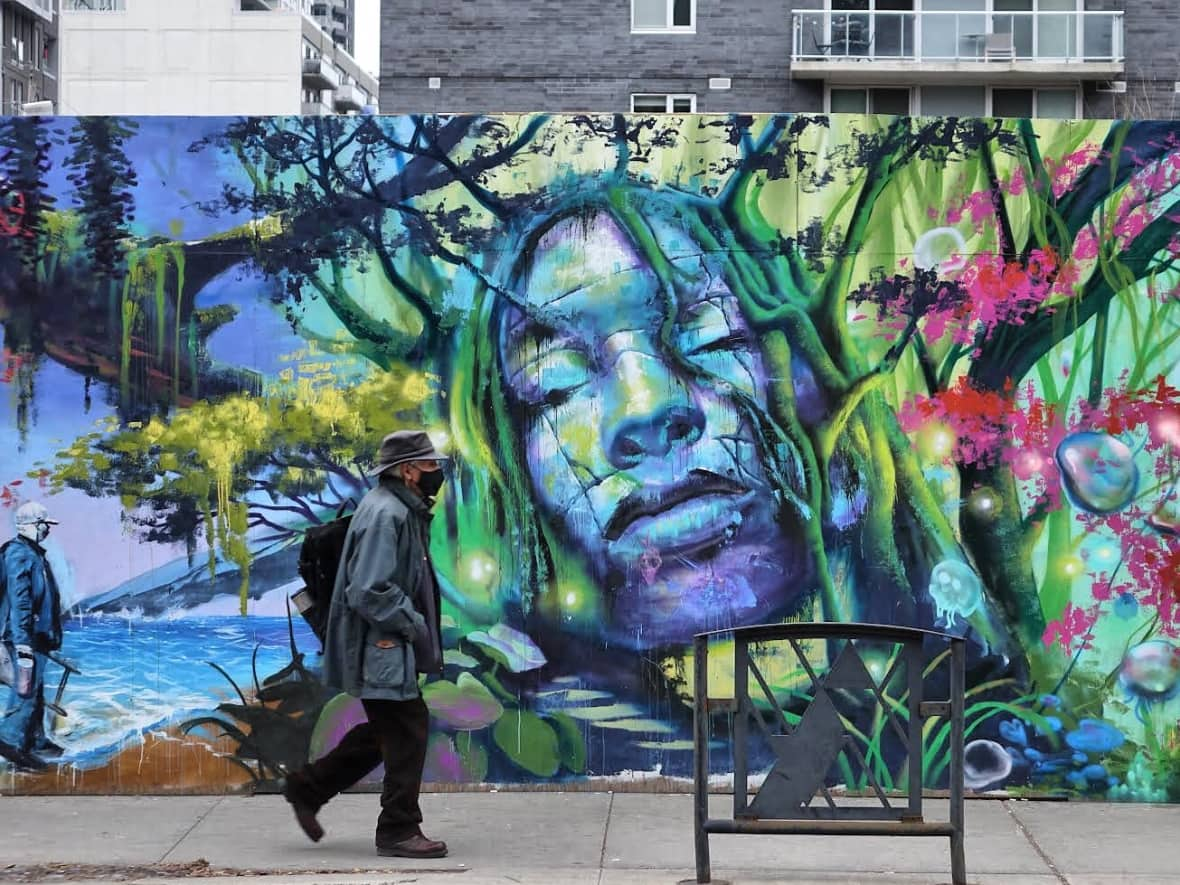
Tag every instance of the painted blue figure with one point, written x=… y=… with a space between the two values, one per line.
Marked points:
x=30 y=629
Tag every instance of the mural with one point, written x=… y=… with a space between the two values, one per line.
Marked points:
x=695 y=372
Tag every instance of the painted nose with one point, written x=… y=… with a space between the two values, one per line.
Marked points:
x=650 y=412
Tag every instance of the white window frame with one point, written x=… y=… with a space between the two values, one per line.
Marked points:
x=669 y=98
x=1035 y=90
x=668 y=27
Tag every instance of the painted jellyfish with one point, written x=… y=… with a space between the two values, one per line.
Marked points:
x=1098 y=471
x=956 y=590
x=1151 y=670
x=984 y=762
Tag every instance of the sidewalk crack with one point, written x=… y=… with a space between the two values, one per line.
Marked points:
x=1041 y=853
x=186 y=833
x=605 y=832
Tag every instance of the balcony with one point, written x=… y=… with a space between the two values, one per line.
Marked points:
x=270 y=5
x=316 y=109
x=870 y=48
x=43 y=8
x=318 y=73
x=348 y=98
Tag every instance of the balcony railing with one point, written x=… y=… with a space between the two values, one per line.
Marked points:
x=348 y=98
x=954 y=37
x=94 y=5
x=44 y=8
x=318 y=73
x=316 y=109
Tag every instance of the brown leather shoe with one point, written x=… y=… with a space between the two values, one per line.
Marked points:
x=304 y=812
x=416 y=846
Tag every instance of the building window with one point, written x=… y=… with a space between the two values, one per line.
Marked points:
x=953 y=101
x=869 y=101
x=94 y=6
x=663 y=16
x=663 y=103
x=1060 y=104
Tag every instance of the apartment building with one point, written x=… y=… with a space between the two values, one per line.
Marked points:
x=205 y=57
x=337 y=18
x=28 y=49
x=1047 y=58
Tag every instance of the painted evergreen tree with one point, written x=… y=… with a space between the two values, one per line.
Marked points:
x=104 y=176
x=25 y=145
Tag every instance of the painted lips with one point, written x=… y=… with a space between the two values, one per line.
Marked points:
x=688 y=515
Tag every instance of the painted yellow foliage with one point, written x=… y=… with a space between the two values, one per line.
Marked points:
x=236 y=456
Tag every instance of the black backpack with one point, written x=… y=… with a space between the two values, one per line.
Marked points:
x=319 y=561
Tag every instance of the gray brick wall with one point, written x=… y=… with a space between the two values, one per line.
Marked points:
x=548 y=55
x=1151 y=31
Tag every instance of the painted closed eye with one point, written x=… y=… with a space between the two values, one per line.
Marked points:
x=707 y=330
x=550 y=378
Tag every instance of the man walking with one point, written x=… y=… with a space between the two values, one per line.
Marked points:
x=30 y=628
x=383 y=630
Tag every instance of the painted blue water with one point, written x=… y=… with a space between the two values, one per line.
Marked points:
x=138 y=676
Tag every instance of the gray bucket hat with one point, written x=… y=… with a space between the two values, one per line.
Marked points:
x=405 y=445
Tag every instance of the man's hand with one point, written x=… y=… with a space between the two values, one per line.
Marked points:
x=24 y=671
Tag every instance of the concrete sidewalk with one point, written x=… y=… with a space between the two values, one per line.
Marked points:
x=568 y=839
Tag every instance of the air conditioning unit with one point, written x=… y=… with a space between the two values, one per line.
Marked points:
x=37 y=109
x=1119 y=86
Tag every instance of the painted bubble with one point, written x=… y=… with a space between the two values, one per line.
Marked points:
x=1151 y=670
x=984 y=762
x=942 y=248
x=1095 y=736
x=1098 y=471
x=955 y=589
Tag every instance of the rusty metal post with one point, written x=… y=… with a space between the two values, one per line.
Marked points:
x=700 y=746
x=958 y=695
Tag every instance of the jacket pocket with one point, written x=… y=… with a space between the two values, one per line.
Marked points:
x=389 y=663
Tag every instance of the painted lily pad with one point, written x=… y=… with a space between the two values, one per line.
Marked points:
x=455 y=658
x=643 y=726
x=571 y=743
x=449 y=761
x=604 y=712
x=529 y=741
x=513 y=649
x=680 y=746
x=337 y=718
x=465 y=704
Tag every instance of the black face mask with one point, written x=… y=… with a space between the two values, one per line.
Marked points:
x=429 y=482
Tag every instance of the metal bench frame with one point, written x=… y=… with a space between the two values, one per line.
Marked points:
x=782 y=805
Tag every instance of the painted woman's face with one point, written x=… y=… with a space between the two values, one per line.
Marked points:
x=635 y=448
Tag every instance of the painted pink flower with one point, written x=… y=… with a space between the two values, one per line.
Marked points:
x=1074 y=624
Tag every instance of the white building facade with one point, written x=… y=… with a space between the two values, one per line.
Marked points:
x=204 y=58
